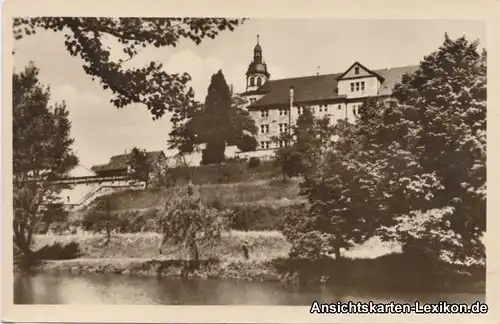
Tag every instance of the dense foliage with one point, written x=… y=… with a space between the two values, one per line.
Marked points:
x=188 y=220
x=140 y=165
x=411 y=169
x=42 y=151
x=151 y=85
x=439 y=121
x=302 y=145
x=219 y=121
x=99 y=218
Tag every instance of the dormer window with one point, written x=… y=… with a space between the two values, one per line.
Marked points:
x=252 y=81
x=356 y=70
x=259 y=82
x=357 y=86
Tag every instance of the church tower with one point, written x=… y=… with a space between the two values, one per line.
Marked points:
x=257 y=73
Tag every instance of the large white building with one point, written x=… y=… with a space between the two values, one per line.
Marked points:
x=337 y=95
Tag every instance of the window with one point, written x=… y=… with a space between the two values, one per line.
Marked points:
x=340 y=107
x=300 y=110
x=356 y=70
x=355 y=110
x=252 y=81
x=323 y=108
x=282 y=143
x=352 y=86
x=252 y=100
x=283 y=128
x=259 y=82
x=264 y=145
x=264 y=113
x=357 y=86
x=264 y=129
x=283 y=112
x=363 y=86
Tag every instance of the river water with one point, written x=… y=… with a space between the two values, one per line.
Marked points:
x=129 y=290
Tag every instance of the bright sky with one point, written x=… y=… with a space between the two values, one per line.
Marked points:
x=290 y=48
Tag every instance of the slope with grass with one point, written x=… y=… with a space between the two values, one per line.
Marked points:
x=259 y=192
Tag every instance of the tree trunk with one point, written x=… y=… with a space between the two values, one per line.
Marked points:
x=338 y=256
x=194 y=250
x=46 y=227
x=340 y=270
x=108 y=234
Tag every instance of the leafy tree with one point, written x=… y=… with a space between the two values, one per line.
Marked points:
x=214 y=121
x=52 y=214
x=241 y=128
x=221 y=120
x=431 y=145
x=99 y=218
x=287 y=159
x=158 y=90
x=42 y=151
x=302 y=146
x=161 y=175
x=189 y=221
x=337 y=187
x=140 y=164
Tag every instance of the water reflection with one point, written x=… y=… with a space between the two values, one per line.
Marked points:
x=118 y=289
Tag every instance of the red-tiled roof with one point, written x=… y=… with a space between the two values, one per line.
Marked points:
x=320 y=87
x=120 y=162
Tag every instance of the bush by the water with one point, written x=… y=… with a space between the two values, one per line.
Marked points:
x=396 y=272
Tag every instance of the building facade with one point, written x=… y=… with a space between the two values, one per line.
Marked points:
x=337 y=96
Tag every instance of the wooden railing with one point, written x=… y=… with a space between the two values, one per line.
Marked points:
x=79 y=180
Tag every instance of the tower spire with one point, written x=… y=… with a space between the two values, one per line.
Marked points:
x=258 y=39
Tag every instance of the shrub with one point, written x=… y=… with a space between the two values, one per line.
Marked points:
x=230 y=172
x=253 y=162
x=250 y=217
x=187 y=220
x=59 y=251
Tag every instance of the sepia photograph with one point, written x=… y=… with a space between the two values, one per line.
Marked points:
x=336 y=164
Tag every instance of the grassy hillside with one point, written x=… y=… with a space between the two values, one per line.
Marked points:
x=260 y=192
x=230 y=172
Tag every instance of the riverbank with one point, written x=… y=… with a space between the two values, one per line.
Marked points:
x=373 y=265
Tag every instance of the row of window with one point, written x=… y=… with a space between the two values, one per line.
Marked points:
x=267 y=144
x=255 y=81
x=357 y=86
x=264 y=129
x=284 y=112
